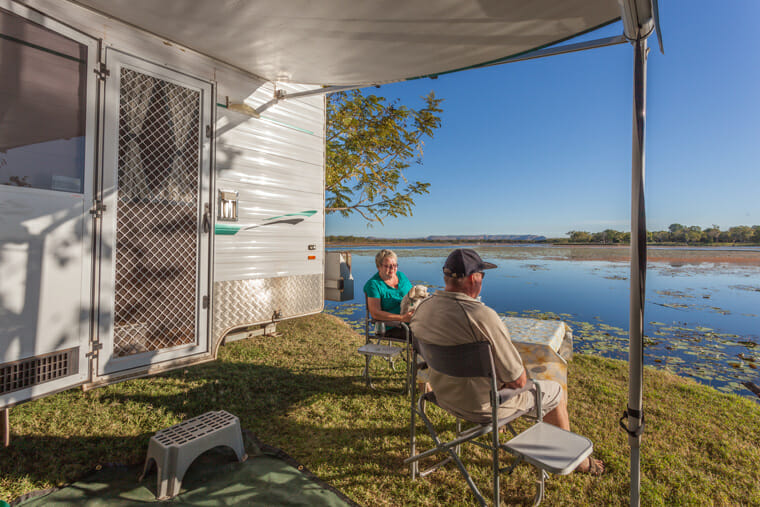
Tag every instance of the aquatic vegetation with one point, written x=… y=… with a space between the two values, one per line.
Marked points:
x=750 y=288
x=612 y=328
x=535 y=267
x=673 y=293
x=698 y=352
x=673 y=305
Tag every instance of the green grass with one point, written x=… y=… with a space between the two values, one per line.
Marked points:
x=302 y=392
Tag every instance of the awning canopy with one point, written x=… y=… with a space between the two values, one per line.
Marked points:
x=360 y=42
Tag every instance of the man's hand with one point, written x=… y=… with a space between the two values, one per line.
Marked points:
x=407 y=316
x=519 y=382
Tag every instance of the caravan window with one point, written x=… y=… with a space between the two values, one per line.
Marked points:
x=42 y=107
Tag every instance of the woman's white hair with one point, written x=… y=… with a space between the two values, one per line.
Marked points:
x=384 y=254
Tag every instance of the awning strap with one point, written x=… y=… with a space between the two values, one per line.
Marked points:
x=638 y=414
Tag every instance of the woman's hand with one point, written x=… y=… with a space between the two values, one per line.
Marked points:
x=374 y=310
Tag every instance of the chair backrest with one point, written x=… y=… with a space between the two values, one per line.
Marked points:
x=467 y=360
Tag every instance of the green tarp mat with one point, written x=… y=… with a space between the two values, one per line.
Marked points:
x=214 y=478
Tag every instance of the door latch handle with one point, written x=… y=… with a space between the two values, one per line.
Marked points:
x=206 y=219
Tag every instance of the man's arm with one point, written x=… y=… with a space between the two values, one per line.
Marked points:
x=519 y=382
x=506 y=358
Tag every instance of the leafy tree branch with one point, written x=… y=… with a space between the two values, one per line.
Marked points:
x=371 y=142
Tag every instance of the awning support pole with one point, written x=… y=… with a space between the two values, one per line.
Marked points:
x=563 y=50
x=638 y=267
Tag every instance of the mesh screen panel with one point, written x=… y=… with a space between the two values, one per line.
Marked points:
x=157 y=214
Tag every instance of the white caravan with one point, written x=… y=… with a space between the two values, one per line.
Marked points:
x=146 y=208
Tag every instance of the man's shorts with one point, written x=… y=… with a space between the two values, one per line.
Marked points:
x=551 y=395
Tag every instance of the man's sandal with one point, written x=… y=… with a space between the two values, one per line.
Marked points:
x=595 y=467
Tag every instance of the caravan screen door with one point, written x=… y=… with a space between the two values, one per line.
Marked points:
x=155 y=269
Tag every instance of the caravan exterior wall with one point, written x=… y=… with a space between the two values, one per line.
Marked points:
x=113 y=263
x=269 y=263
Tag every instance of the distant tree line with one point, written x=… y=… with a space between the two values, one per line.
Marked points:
x=676 y=233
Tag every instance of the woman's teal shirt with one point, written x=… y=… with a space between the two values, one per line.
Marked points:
x=390 y=298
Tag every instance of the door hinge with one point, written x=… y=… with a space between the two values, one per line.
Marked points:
x=97 y=209
x=208 y=131
x=205 y=302
x=102 y=71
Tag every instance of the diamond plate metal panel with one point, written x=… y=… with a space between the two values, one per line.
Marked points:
x=157 y=225
x=245 y=302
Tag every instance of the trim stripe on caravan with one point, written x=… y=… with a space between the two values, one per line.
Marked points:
x=231 y=230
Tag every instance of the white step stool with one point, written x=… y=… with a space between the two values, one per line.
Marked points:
x=175 y=448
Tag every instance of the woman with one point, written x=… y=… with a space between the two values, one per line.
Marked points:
x=385 y=291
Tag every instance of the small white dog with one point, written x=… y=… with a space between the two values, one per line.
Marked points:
x=413 y=298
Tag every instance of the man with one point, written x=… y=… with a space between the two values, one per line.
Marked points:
x=455 y=316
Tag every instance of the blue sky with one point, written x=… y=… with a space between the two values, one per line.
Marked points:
x=544 y=147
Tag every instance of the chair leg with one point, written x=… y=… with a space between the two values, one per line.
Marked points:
x=410 y=373
x=495 y=443
x=412 y=437
x=456 y=460
x=366 y=371
x=368 y=377
x=458 y=448
x=540 y=493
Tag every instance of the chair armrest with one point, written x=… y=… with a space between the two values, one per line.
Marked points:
x=509 y=393
x=393 y=323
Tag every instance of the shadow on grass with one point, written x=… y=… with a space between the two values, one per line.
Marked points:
x=61 y=438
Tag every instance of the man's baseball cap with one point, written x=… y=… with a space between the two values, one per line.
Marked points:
x=464 y=262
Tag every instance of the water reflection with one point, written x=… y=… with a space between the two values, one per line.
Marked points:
x=701 y=318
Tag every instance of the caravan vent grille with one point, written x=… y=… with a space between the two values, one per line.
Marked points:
x=38 y=370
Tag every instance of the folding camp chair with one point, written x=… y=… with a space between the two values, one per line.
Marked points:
x=547 y=447
x=378 y=344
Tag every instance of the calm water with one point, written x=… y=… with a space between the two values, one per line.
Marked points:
x=701 y=319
